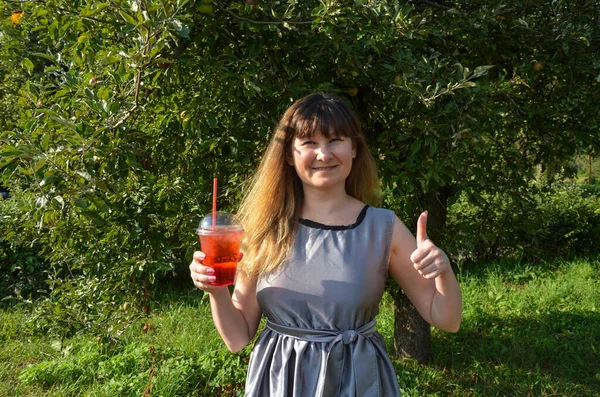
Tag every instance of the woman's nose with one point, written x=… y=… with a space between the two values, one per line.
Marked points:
x=323 y=153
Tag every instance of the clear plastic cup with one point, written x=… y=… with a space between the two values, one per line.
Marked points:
x=221 y=245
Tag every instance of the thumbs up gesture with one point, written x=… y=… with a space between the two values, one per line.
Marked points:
x=429 y=260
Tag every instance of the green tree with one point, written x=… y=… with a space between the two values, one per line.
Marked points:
x=118 y=114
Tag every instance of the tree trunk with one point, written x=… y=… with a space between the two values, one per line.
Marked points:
x=412 y=334
x=589 y=181
x=437 y=205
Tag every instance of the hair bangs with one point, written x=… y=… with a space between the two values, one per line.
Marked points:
x=326 y=116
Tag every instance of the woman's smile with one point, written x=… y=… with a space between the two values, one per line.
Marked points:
x=325 y=167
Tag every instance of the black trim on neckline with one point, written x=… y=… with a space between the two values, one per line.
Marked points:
x=317 y=225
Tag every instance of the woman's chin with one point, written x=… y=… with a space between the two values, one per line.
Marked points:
x=325 y=183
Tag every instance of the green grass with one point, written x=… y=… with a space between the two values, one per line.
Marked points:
x=527 y=331
x=582 y=166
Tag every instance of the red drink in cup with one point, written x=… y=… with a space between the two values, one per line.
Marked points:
x=220 y=241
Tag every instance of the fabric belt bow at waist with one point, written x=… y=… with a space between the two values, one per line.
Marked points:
x=362 y=366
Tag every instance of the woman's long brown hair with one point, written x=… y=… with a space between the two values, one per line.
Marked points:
x=271 y=206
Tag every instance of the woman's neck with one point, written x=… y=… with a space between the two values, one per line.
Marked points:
x=330 y=207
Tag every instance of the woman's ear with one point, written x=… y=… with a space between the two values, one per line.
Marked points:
x=353 y=149
x=290 y=159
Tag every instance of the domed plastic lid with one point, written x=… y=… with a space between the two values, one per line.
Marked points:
x=225 y=222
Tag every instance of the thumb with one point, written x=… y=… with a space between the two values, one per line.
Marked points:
x=422 y=228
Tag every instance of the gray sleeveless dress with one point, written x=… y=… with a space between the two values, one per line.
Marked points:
x=320 y=339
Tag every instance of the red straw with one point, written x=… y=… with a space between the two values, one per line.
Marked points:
x=214 y=217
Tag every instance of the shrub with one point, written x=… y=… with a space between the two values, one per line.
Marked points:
x=560 y=220
x=22 y=266
x=567 y=222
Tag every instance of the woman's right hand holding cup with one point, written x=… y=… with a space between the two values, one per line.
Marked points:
x=202 y=275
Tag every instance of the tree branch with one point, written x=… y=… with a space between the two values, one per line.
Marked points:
x=138 y=81
x=74 y=13
x=434 y=4
x=268 y=22
x=24 y=1
x=517 y=107
x=100 y=20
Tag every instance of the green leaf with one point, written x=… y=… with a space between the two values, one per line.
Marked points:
x=96 y=218
x=98 y=8
x=90 y=94
x=128 y=18
x=163 y=61
x=93 y=105
x=28 y=65
x=110 y=60
x=81 y=203
x=212 y=120
x=13 y=153
x=116 y=76
x=61 y=93
x=48 y=112
x=40 y=164
x=131 y=160
x=45 y=141
x=45 y=56
x=53 y=30
x=481 y=70
x=157 y=48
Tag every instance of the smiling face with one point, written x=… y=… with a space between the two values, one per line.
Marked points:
x=328 y=121
x=321 y=161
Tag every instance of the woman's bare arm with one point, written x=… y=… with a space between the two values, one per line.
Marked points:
x=424 y=273
x=236 y=317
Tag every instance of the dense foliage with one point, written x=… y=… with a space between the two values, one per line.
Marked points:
x=23 y=268
x=559 y=220
x=116 y=115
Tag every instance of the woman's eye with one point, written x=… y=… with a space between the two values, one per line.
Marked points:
x=336 y=140
x=308 y=143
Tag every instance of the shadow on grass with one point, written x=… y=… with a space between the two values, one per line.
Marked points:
x=556 y=353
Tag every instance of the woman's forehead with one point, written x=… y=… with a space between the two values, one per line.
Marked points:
x=319 y=134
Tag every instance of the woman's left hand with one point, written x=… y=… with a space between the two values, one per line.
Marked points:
x=429 y=260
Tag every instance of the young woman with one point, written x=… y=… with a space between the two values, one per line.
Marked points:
x=317 y=256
